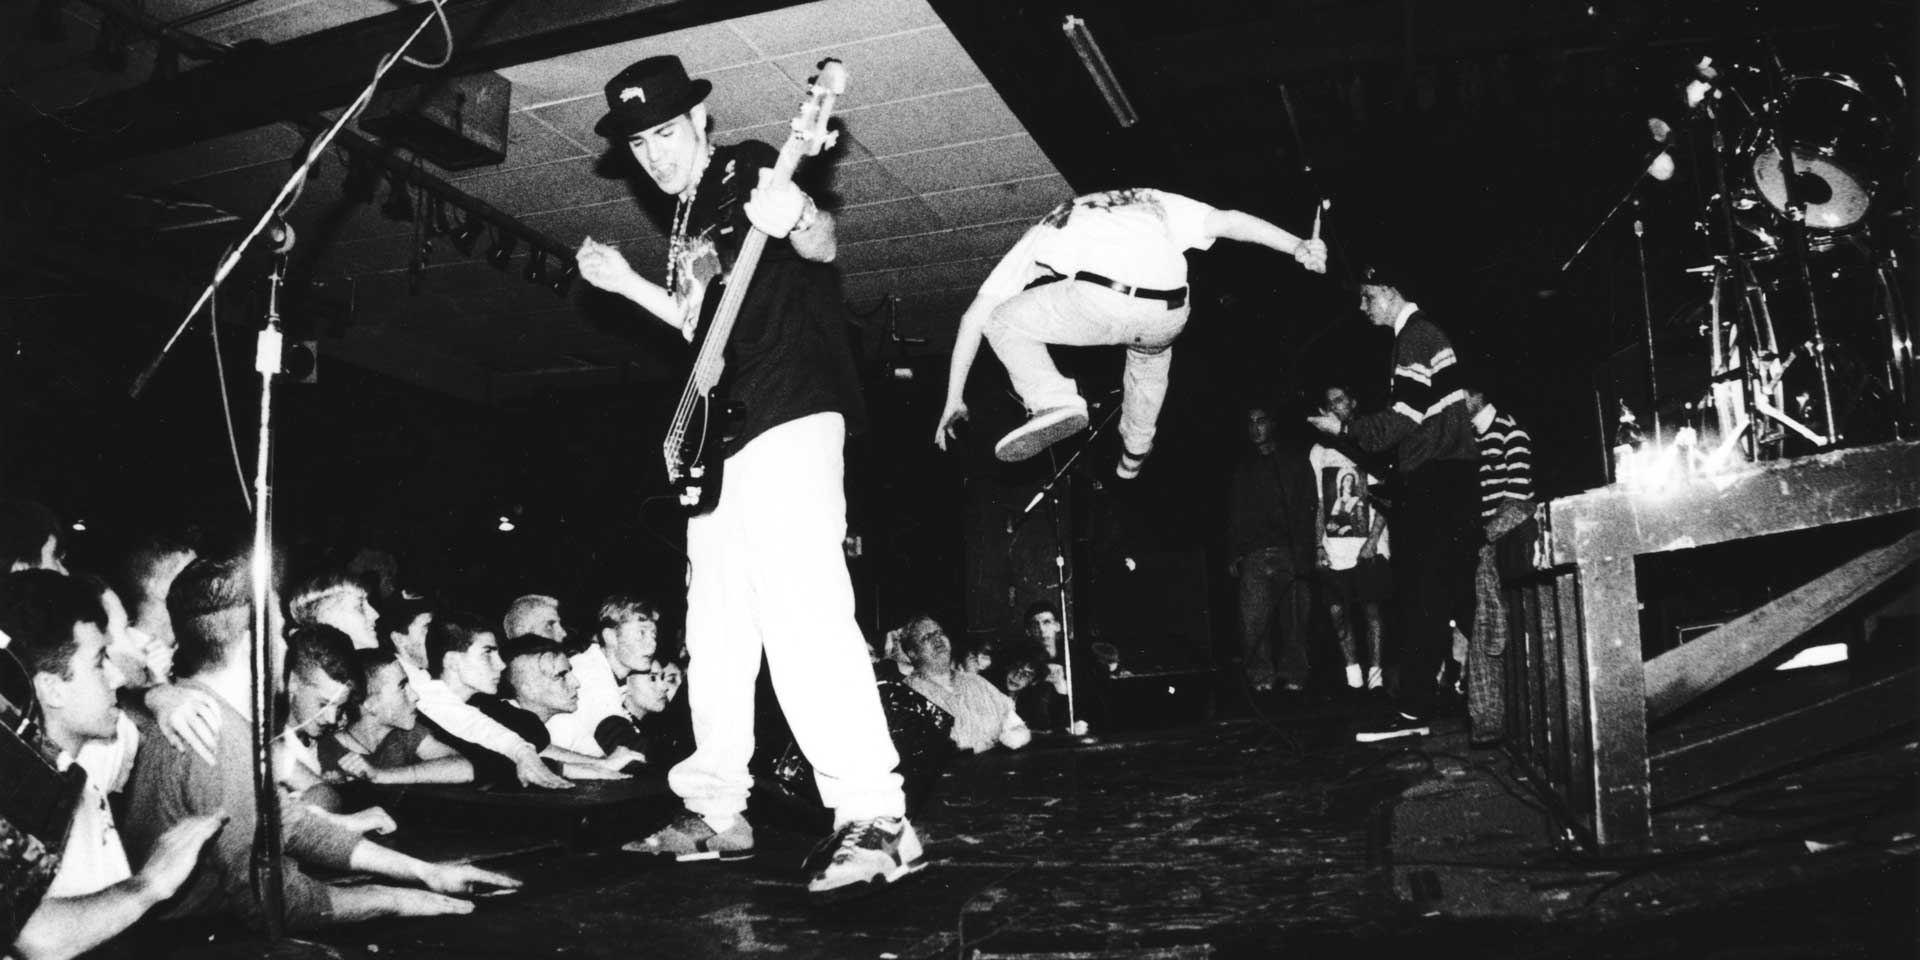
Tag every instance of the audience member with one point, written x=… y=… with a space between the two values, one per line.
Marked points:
x=210 y=608
x=1506 y=517
x=386 y=742
x=982 y=715
x=1021 y=667
x=1272 y=541
x=57 y=630
x=540 y=685
x=534 y=615
x=628 y=635
x=1353 y=551
x=338 y=600
x=460 y=725
x=30 y=537
x=643 y=726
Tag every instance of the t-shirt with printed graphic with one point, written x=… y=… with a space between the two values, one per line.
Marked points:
x=1346 y=512
x=1137 y=236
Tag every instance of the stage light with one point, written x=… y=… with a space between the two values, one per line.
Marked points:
x=562 y=281
x=505 y=525
x=468 y=234
x=536 y=271
x=1096 y=63
x=362 y=180
x=502 y=252
x=399 y=205
x=79 y=526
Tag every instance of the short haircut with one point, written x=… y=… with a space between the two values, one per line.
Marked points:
x=306 y=602
x=526 y=647
x=1039 y=607
x=317 y=649
x=520 y=612
x=25 y=526
x=372 y=661
x=210 y=604
x=39 y=610
x=622 y=607
x=453 y=633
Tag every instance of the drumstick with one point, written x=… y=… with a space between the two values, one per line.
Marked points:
x=1324 y=205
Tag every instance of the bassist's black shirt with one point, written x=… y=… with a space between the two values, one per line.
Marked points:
x=788 y=355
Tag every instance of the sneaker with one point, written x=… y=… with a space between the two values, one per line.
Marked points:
x=690 y=837
x=1375 y=679
x=1129 y=465
x=1353 y=676
x=865 y=851
x=1392 y=725
x=1044 y=430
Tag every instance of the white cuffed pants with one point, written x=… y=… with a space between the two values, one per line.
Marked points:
x=767 y=573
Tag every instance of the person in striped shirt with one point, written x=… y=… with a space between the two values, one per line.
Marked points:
x=1506 y=456
x=1436 y=529
x=1506 y=514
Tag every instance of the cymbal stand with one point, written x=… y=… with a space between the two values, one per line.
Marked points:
x=1797 y=239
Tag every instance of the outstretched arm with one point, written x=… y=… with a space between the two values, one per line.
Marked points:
x=1008 y=278
x=604 y=267
x=1247 y=228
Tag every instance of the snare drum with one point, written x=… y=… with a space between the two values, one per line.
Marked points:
x=1833 y=130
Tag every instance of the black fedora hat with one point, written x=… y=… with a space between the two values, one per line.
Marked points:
x=648 y=94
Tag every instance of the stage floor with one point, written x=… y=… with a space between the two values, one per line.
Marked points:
x=1261 y=835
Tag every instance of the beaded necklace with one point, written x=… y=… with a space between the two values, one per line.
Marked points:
x=678 y=245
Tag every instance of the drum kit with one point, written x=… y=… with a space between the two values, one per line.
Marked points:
x=1809 y=218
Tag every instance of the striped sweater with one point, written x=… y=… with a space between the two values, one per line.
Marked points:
x=1506 y=464
x=1426 y=415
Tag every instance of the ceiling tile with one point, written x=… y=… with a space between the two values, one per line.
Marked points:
x=944 y=119
x=893 y=218
x=549 y=186
x=919 y=279
x=1000 y=201
x=585 y=74
x=990 y=240
x=615 y=221
x=529 y=142
x=279 y=21
x=850 y=184
x=970 y=164
x=818 y=25
x=273 y=143
x=893 y=68
x=753 y=94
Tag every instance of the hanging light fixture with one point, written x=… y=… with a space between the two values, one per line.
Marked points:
x=502 y=252
x=562 y=281
x=399 y=205
x=464 y=238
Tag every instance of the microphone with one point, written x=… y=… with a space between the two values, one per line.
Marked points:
x=280 y=233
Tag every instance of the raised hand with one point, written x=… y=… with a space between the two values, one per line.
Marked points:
x=603 y=266
x=950 y=418
x=189 y=719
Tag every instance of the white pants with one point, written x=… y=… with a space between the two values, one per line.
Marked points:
x=767 y=573
x=1077 y=314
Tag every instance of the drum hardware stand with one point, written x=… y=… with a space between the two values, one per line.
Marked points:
x=1797 y=240
x=1646 y=314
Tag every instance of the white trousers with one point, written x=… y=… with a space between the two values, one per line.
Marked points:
x=1076 y=314
x=767 y=573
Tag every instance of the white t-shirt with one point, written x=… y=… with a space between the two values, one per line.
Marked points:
x=1346 y=515
x=93 y=858
x=1138 y=236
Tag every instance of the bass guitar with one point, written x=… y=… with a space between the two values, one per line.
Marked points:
x=702 y=421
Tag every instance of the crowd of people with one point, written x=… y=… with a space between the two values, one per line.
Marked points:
x=140 y=677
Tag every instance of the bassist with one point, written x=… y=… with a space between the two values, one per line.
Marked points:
x=766 y=568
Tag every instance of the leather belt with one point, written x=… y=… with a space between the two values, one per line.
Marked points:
x=1174 y=299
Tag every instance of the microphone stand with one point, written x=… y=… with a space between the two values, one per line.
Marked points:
x=1646 y=313
x=1646 y=166
x=266 y=859
x=1060 y=565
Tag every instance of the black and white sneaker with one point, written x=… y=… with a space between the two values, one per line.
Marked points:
x=1391 y=725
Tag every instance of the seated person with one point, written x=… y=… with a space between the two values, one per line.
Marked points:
x=629 y=633
x=211 y=608
x=1020 y=668
x=645 y=724
x=463 y=652
x=385 y=742
x=982 y=715
x=58 y=632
